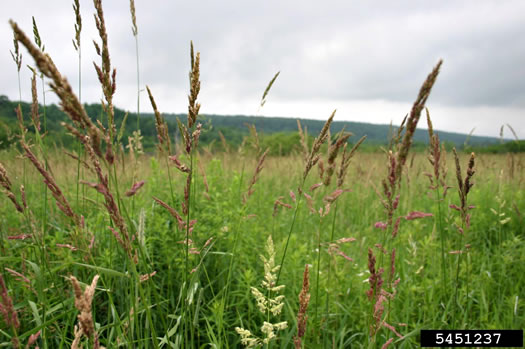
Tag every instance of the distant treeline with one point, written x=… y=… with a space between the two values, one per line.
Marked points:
x=279 y=134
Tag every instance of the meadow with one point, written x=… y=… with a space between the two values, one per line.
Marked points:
x=106 y=246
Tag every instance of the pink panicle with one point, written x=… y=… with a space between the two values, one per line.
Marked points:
x=315 y=186
x=280 y=203
x=92 y=242
x=20 y=277
x=32 y=339
x=135 y=188
x=292 y=195
x=344 y=240
x=19 y=237
x=68 y=246
x=396 y=227
x=334 y=195
x=207 y=242
x=387 y=343
x=391 y=328
x=455 y=207
x=417 y=214
x=396 y=202
x=380 y=225
x=341 y=253
x=310 y=203
x=146 y=277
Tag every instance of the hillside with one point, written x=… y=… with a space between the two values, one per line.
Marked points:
x=233 y=127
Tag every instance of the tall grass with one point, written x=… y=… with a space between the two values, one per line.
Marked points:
x=174 y=256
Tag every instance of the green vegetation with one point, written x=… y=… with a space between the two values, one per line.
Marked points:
x=277 y=241
x=277 y=133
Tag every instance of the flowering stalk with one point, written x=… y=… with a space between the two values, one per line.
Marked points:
x=267 y=304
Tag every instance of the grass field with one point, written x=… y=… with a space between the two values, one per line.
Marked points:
x=339 y=313
x=328 y=248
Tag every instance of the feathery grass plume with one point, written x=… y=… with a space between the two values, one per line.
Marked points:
x=255 y=138
x=36 y=34
x=464 y=186
x=393 y=140
x=32 y=339
x=270 y=84
x=314 y=156
x=195 y=86
x=413 y=119
x=5 y=183
x=133 y=190
x=378 y=295
x=164 y=145
x=83 y=302
x=265 y=302
x=61 y=201
x=34 y=105
x=68 y=100
x=342 y=139
x=345 y=161
x=302 y=318
x=106 y=76
x=225 y=145
x=516 y=138
x=78 y=25
x=436 y=159
x=19 y=277
x=187 y=189
x=463 y=191
x=17 y=56
x=134 y=28
x=7 y=308
x=303 y=135
x=172 y=211
x=396 y=161
x=258 y=170
x=387 y=343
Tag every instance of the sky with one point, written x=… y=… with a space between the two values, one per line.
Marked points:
x=367 y=59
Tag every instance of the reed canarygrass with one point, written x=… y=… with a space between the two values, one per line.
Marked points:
x=302 y=318
x=163 y=137
x=256 y=174
x=7 y=189
x=267 y=90
x=77 y=44
x=68 y=100
x=9 y=313
x=464 y=186
x=106 y=75
x=61 y=201
x=83 y=302
x=149 y=289
x=310 y=161
x=390 y=196
x=437 y=159
x=135 y=31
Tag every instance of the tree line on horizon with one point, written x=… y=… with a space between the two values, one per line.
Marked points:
x=277 y=133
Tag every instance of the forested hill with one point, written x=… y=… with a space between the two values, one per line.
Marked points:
x=234 y=127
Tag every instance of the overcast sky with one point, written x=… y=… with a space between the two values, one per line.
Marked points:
x=367 y=59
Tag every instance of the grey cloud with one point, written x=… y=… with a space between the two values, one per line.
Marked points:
x=334 y=50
